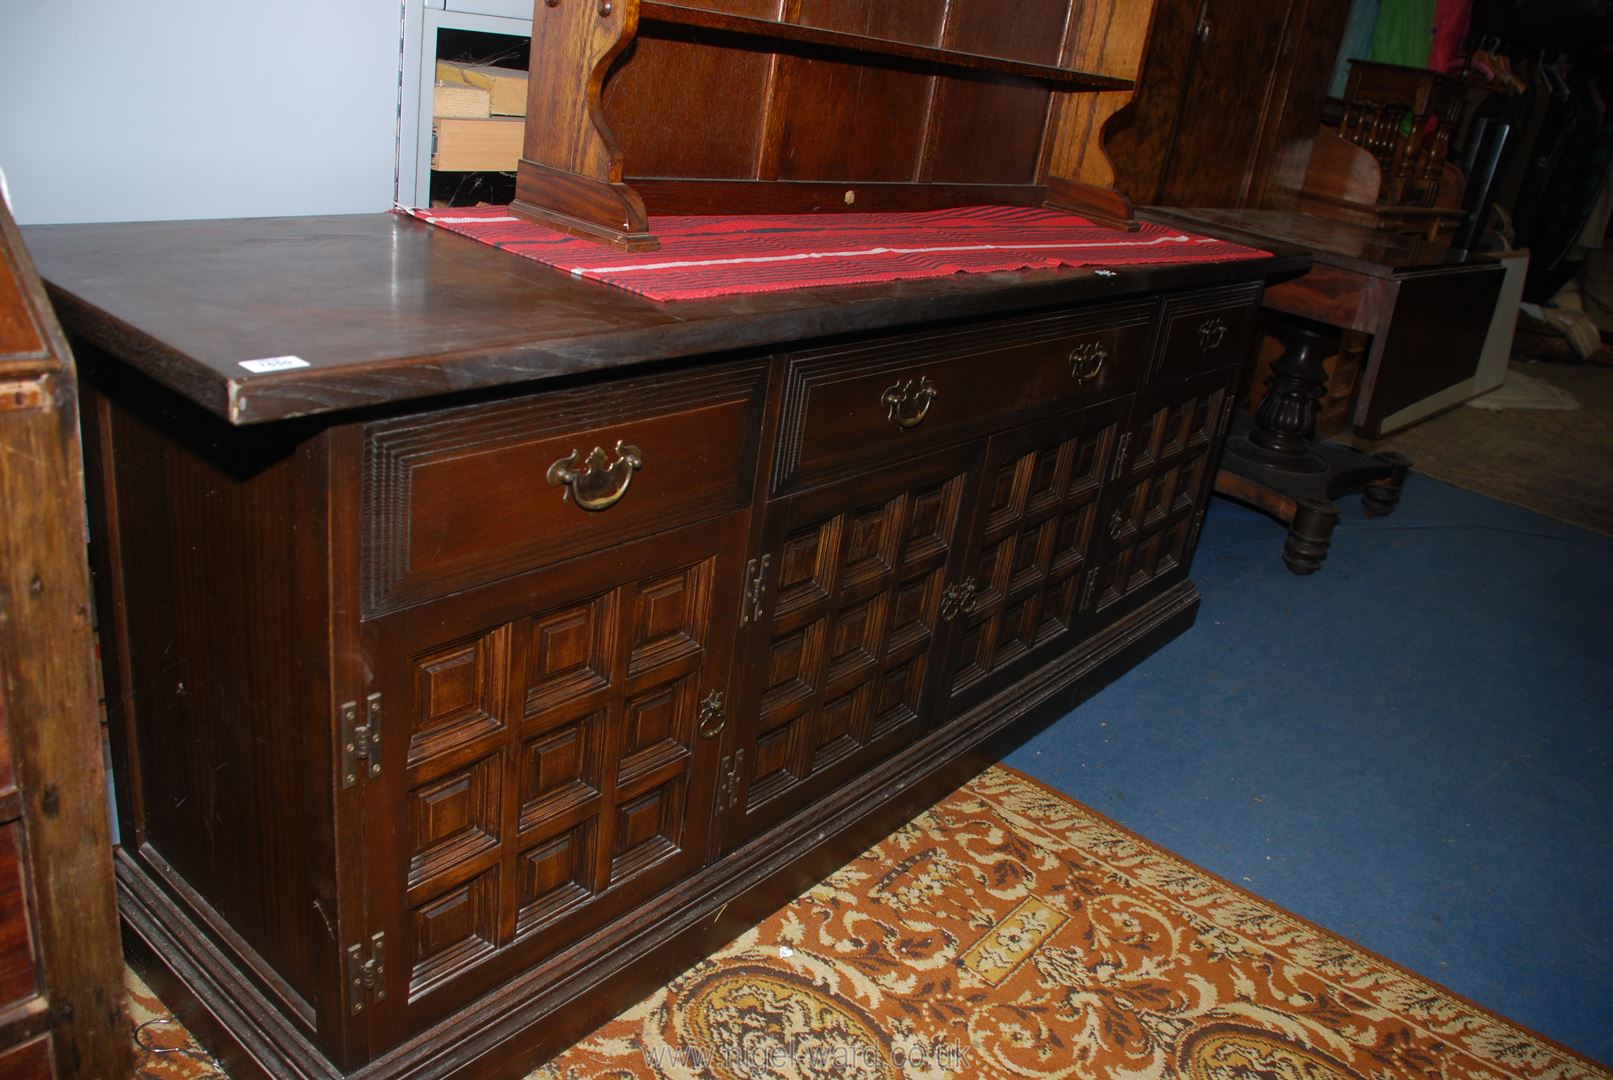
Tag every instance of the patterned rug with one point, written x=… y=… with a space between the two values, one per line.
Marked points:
x=1010 y=932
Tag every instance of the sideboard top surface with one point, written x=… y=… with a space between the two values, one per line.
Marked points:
x=386 y=309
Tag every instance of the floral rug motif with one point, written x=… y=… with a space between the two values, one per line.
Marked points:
x=1010 y=932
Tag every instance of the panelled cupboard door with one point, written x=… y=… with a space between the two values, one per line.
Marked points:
x=1022 y=596
x=841 y=633
x=549 y=751
x=1165 y=473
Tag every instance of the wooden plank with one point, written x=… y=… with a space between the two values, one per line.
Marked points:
x=490 y=145
x=506 y=87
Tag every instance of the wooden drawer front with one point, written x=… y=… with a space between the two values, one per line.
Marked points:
x=463 y=497
x=30 y=1061
x=17 y=979
x=1208 y=330
x=845 y=406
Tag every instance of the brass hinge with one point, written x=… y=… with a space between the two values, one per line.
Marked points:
x=750 y=610
x=366 y=975
x=361 y=742
x=1198 y=523
x=1120 y=456
x=728 y=783
x=1226 y=413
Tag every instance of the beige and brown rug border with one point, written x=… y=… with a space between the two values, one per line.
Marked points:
x=1259 y=901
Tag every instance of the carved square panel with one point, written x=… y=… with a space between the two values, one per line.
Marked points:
x=658 y=727
x=559 y=770
x=1032 y=553
x=554 y=875
x=914 y=610
x=1160 y=494
x=1086 y=467
x=792 y=666
x=1134 y=503
x=1061 y=606
x=1206 y=413
x=457 y=692
x=1016 y=630
x=1173 y=545
x=452 y=931
x=854 y=640
x=806 y=568
x=1071 y=540
x=1112 y=584
x=669 y=615
x=648 y=828
x=1044 y=487
x=842 y=726
x=1178 y=427
x=995 y=567
x=775 y=769
x=898 y=695
x=869 y=542
x=1188 y=487
x=1000 y=504
x=932 y=517
x=568 y=652
x=453 y=818
x=1146 y=440
x=1144 y=562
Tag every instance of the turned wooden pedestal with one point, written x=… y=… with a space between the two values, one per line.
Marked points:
x=1272 y=461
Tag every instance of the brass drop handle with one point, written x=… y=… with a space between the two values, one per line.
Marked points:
x=601 y=483
x=712 y=717
x=959 y=599
x=908 y=404
x=1211 y=333
x=1087 y=360
x=1117 y=525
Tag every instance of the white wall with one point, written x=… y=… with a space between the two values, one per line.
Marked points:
x=122 y=110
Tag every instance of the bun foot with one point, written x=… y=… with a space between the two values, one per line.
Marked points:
x=1309 y=535
x=1379 y=499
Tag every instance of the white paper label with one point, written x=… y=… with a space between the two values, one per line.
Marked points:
x=274 y=363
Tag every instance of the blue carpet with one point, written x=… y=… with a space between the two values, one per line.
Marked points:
x=1411 y=747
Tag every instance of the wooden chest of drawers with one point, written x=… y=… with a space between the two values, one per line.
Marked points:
x=447 y=726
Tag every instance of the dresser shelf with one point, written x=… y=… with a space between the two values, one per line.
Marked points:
x=774 y=30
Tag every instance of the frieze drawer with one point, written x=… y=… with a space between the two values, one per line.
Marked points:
x=461 y=497
x=852 y=407
x=1208 y=330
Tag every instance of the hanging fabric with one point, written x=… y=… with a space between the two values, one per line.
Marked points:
x=1405 y=33
x=1356 y=44
x=1451 y=21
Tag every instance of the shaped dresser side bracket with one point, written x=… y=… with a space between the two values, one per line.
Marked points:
x=1109 y=37
x=570 y=175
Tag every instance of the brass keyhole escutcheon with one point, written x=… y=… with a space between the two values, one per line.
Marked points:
x=1087 y=360
x=908 y=404
x=1117 y=525
x=600 y=483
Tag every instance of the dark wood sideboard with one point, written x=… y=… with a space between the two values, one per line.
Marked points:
x=425 y=768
